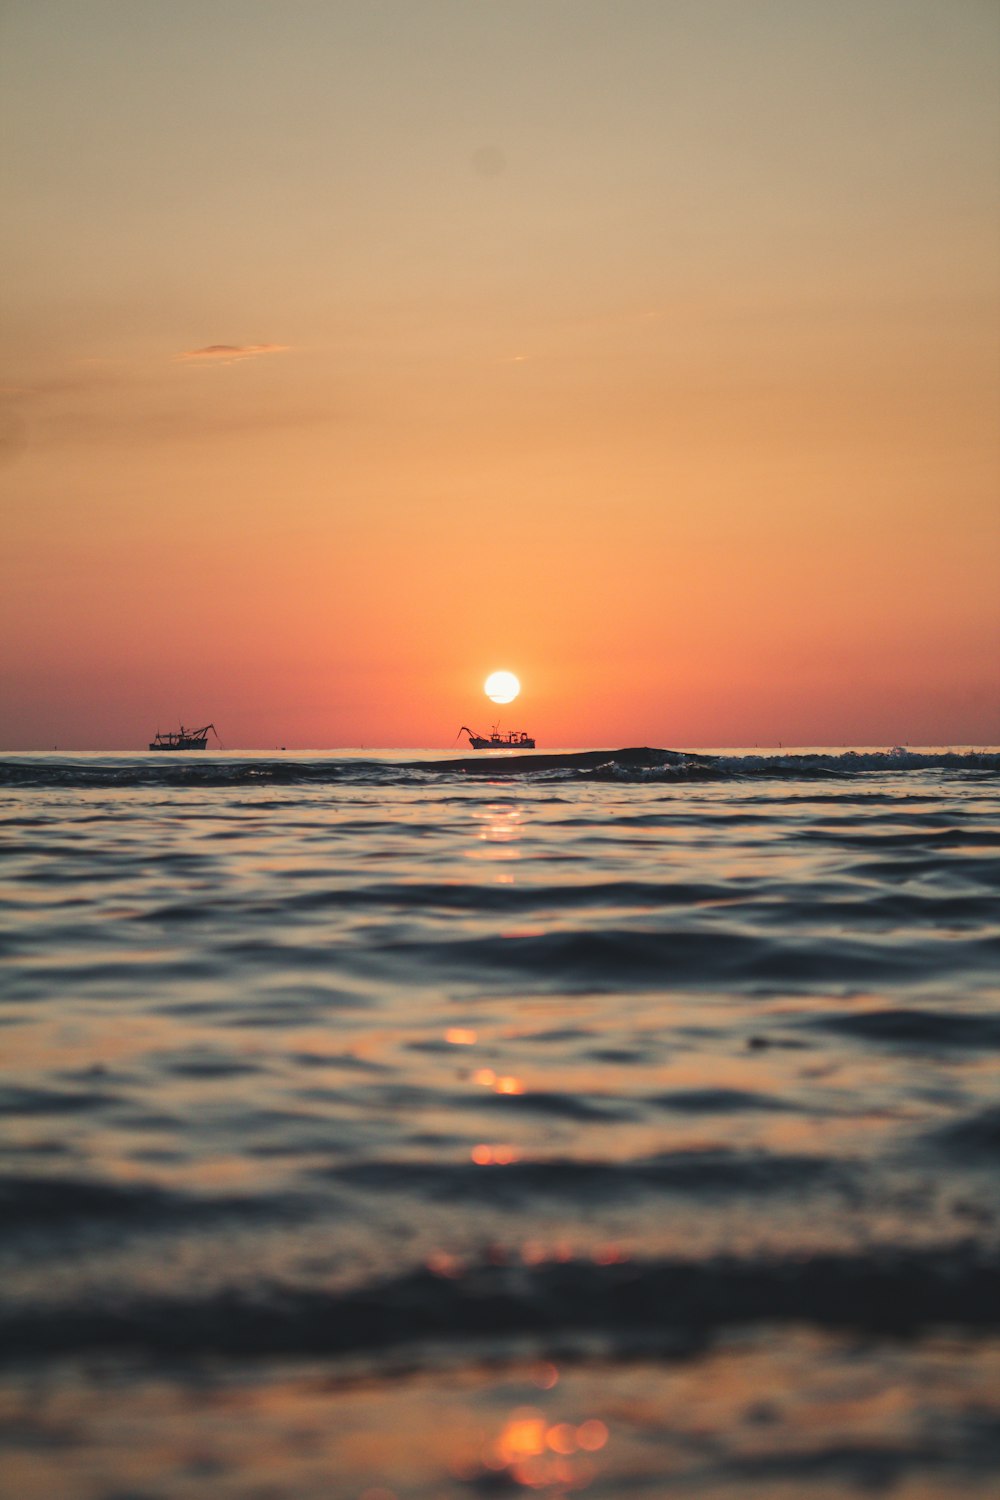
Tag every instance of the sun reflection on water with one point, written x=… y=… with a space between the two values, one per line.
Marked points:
x=500 y=825
x=533 y=1453
x=494 y=1156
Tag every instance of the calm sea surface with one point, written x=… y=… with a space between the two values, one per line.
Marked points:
x=407 y=1128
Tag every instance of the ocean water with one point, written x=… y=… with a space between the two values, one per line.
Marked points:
x=404 y=1127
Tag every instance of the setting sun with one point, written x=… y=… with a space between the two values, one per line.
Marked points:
x=501 y=687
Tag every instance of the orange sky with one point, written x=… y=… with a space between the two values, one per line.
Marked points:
x=649 y=350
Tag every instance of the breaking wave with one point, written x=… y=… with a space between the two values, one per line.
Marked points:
x=636 y=763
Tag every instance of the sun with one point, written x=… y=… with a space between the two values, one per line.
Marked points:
x=502 y=687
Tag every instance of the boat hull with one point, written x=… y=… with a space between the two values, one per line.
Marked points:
x=478 y=743
x=183 y=738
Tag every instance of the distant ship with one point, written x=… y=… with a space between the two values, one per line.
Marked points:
x=512 y=740
x=184 y=739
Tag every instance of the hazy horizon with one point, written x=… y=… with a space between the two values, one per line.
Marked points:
x=461 y=750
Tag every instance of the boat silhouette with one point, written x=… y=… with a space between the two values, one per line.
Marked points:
x=183 y=739
x=511 y=739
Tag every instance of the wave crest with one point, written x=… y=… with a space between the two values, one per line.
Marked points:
x=635 y=763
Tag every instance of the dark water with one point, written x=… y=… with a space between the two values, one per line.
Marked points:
x=402 y=1126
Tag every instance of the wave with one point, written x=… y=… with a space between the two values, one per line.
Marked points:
x=60 y=1202
x=636 y=763
x=653 y=1305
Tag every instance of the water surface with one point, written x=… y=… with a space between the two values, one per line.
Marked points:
x=426 y=1126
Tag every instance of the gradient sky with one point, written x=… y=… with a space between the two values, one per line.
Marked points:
x=650 y=349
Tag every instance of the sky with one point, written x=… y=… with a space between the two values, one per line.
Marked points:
x=649 y=349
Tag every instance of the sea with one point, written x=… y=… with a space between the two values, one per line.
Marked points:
x=426 y=1126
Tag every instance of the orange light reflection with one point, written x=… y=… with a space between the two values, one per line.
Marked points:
x=536 y=1455
x=495 y=1156
x=508 y=1085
